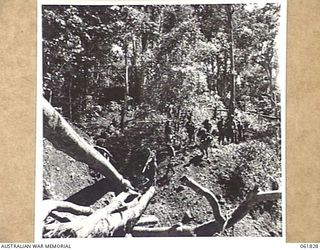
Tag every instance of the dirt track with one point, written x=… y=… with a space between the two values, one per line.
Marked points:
x=66 y=179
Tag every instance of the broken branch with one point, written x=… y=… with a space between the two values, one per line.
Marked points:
x=213 y=201
x=211 y=227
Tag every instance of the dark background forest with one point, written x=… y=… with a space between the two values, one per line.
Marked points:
x=160 y=55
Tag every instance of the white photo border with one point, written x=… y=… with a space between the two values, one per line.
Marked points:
x=162 y=243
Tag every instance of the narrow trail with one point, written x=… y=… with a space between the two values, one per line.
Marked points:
x=229 y=172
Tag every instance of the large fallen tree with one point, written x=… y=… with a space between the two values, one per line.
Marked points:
x=63 y=137
x=120 y=215
x=123 y=213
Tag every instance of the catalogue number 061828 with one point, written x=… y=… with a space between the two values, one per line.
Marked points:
x=306 y=245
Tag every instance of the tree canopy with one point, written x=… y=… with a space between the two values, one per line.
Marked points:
x=165 y=54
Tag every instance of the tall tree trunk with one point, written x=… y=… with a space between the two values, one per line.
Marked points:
x=272 y=90
x=218 y=76
x=86 y=78
x=269 y=70
x=225 y=74
x=70 y=100
x=134 y=64
x=229 y=11
x=212 y=82
x=126 y=87
x=142 y=78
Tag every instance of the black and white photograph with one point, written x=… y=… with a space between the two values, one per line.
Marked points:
x=161 y=120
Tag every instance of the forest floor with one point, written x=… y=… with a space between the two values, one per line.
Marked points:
x=230 y=172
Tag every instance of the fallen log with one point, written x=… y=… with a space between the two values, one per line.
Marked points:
x=121 y=214
x=64 y=138
x=62 y=217
x=212 y=227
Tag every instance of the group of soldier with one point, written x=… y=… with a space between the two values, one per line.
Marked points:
x=231 y=129
x=228 y=130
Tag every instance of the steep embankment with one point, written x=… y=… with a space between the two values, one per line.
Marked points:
x=229 y=172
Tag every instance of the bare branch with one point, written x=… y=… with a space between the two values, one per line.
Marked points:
x=213 y=201
x=212 y=227
x=252 y=198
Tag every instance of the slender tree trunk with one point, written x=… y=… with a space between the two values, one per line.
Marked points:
x=142 y=78
x=134 y=64
x=85 y=88
x=70 y=100
x=126 y=88
x=232 y=83
x=225 y=74
x=212 y=82
x=218 y=76
x=271 y=90
x=269 y=69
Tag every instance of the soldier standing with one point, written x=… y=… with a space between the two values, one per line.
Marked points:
x=191 y=128
x=207 y=125
x=220 y=125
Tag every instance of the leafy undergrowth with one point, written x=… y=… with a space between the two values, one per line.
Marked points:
x=230 y=172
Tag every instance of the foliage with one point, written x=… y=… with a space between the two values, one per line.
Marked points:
x=176 y=54
x=254 y=163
